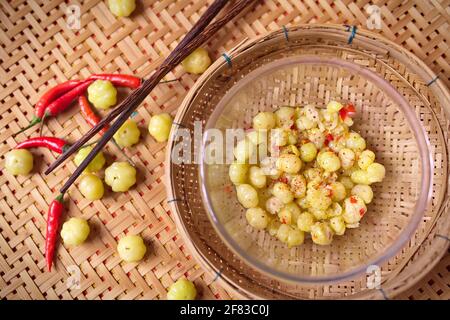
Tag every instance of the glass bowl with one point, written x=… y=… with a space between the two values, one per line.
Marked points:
x=391 y=129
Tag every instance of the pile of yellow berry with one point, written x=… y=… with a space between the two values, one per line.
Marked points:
x=316 y=179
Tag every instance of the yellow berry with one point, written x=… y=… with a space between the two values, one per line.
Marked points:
x=376 y=172
x=131 y=248
x=285 y=216
x=298 y=186
x=360 y=177
x=159 y=126
x=338 y=225
x=318 y=198
x=334 y=106
x=120 y=176
x=274 y=205
x=122 y=8
x=183 y=289
x=292 y=139
x=347 y=182
x=347 y=157
x=289 y=163
x=338 y=191
x=308 y=152
x=366 y=158
x=364 y=192
x=19 y=162
x=95 y=165
x=257 y=177
x=283 y=232
x=128 y=134
x=285 y=117
x=354 y=209
x=257 y=218
x=102 y=94
x=295 y=237
x=282 y=192
x=321 y=233
x=273 y=227
x=319 y=214
x=334 y=210
x=317 y=137
x=294 y=210
x=305 y=221
x=264 y=120
x=303 y=203
x=197 y=62
x=355 y=142
x=75 y=231
x=247 y=195
x=305 y=123
x=238 y=173
x=329 y=161
x=91 y=186
x=313 y=174
x=278 y=138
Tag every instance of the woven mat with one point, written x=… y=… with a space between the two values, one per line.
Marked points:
x=38 y=50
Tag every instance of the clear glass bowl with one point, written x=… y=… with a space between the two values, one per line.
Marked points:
x=390 y=128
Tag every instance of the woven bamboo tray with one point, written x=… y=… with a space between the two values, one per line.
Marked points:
x=38 y=49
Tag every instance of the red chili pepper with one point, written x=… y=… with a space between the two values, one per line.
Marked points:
x=89 y=114
x=47 y=98
x=283 y=179
x=351 y=111
x=328 y=138
x=53 y=94
x=353 y=200
x=228 y=189
x=52 y=143
x=122 y=80
x=54 y=214
x=63 y=102
x=329 y=190
x=347 y=111
x=362 y=212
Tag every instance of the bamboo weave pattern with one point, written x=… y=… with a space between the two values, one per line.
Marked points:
x=38 y=50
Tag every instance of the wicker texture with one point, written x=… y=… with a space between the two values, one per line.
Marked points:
x=39 y=50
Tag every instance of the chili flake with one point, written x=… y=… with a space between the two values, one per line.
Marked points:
x=283 y=179
x=328 y=138
x=347 y=111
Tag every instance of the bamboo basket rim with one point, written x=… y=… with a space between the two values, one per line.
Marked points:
x=409 y=59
